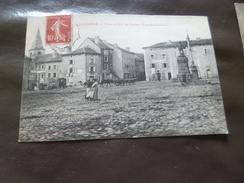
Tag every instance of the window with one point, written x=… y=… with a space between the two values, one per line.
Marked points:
x=54 y=67
x=49 y=67
x=106 y=58
x=42 y=67
x=206 y=51
x=39 y=53
x=153 y=65
x=106 y=66
x=54 y=75
x=164 y=65
x=71 y=62
x=152 y=56
x=163 y=55
x=92 y=61
x=42 y=76
x=49 y=75
x=70 y=70
x=91 y=69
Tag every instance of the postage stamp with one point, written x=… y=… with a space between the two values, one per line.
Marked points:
x=58 y=29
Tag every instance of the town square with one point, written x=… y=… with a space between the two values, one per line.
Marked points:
x=82 y=83
x=158 y=108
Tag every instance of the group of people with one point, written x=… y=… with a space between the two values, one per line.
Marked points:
x=91 y=90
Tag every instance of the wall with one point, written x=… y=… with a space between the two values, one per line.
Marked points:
x=128 y=65
x=78 y=68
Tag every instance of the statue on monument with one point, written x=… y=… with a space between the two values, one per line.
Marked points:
x=181 y=48
x=183 y=68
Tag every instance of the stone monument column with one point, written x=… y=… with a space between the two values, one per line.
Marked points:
x=184 y=74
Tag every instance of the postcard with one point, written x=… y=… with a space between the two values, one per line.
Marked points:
x=240 y=17
x=119 y=76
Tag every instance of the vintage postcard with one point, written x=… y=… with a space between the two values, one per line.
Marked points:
x=240 y=17
x=119 y=76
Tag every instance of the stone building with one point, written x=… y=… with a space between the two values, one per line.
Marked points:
x=140 y=67
x=161 y=58
x=94 y=58
x=116 y=62
x=80 y=65
x=123 y=62
x=105 y=59
x=28 y=82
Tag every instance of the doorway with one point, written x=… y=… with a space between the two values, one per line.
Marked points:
x=169 y=76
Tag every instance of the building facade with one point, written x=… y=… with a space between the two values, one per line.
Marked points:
x=140 y=67
x=105 y=67
x=94 y=58
x=123 y=62
x=80 y=65
x=161 y=58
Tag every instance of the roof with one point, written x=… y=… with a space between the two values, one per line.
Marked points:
x=48 y=58
x=102 y=45
x=119 y=48
x=139 y=57
x=37 y=43
x=85 y=50
x=197 y=42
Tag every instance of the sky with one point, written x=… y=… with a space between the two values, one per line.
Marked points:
x=134 y=31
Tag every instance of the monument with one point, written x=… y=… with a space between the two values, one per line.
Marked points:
x=184 y=74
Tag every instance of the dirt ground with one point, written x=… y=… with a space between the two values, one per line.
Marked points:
x=140 y=110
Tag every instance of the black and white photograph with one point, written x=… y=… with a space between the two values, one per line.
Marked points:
x=119 y=76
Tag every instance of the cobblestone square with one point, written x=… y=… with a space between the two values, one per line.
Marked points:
x=145 y=109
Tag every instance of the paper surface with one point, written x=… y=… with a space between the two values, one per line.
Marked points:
x=240 y=17
x=119 y=76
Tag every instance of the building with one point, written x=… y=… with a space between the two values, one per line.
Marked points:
x=94 y=58
x=161 y=58
x=80 y=65
x=28 y=81
x=123 y=62
x=104 y=70
x=140 y=67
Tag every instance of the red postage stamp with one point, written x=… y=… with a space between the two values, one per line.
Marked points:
x=58 y=29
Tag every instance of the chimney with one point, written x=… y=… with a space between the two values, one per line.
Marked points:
x=97 y=40
x=67 y=49
x=116 y=45
x=127 y=49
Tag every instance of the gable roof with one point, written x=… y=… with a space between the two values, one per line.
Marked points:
x=175 y=44
x=139 y=57
x=85 y=50
x=37 y=43
x=119 y=48
x=48 y=58
x=102 y=45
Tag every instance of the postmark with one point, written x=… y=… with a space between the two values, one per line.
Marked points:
x=59 y=29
